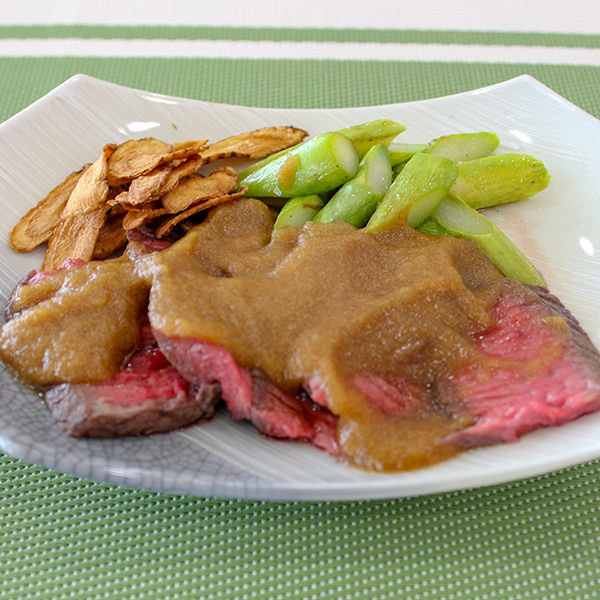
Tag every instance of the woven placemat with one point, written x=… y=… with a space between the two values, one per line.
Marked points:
x=63 y=538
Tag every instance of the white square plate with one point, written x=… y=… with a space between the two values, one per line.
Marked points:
x=559 y=229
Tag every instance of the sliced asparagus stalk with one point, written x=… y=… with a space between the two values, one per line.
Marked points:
x=297 y=211
x=500 y=179
x=357 y=199
x=317 y=166
x=265 y=161
x=366 y=135
x=464 y=146
x=431 y=227
x=400 y=153
x=397 y=169
x=460 y=219
x=363 y=136
x=415 y=192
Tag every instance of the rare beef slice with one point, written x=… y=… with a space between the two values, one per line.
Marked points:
x=148 y=395
x=250 y=395
x=537 y=368
x=80 y=334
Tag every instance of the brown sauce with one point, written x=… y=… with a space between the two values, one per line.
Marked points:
x=79 y=325
x=326 y=303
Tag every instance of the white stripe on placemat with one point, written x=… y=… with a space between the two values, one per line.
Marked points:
x=299 y=50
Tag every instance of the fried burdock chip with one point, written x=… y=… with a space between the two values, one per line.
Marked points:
x=136 y=218
x=183 y=169
x=196 y=188
x=139 y=182
x=193 y=189
x=112 y=237
x=190 y=144
x=167 y=226
x=37 y=225
x=138 y=157
x=135 y=157
x=91 y=190
x=255 y=144
x=74 y=238
x=145 y=188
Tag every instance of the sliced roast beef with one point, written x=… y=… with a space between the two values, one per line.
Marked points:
x=250 y=395
x=538 y=369
x=147 y=396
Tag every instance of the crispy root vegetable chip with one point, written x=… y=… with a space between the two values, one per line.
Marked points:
x=135 y=157
x=112 y=237
x=193 y=189
x=167 y=226
x=121 y=200
x=183 y=169
x=74 y=237
x=196 y=188
x=37 y=225
x=91 y=190
x=184 y=152
x=146 y=188
x=136 y=218
x=195 y=144
x=254 y=144
x=138 y=157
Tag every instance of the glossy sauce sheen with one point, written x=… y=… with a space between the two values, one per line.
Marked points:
x=317 y=307
x=75 y=325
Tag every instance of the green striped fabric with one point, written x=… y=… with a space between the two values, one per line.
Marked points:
x=288 y=83
x=66 y=538
x=303 y=34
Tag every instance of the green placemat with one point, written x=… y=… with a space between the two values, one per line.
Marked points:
x=66 y=538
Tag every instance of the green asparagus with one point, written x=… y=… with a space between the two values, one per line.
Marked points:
x=460 y=219
x=319 y=165
x=464 y=146
x=400 y=153
x=431 y=227
x=415 y=193
x=298 y=211
x=366 y=135
x=357 y=199
x=363 y=136
x=500 y=179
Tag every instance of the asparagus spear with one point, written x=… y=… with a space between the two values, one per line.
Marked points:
x=400 y=153
x=460 y=219
x=415 y=192
x=464 y=146
x=297 y=211
x=500 y=179
x=357 y=199
x=431 y=227
x=456 y=147
x=363 y=136
x=265 y=161
x=366 y=135
x=319 y=165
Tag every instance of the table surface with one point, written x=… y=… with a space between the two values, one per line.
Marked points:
x=65 y=537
